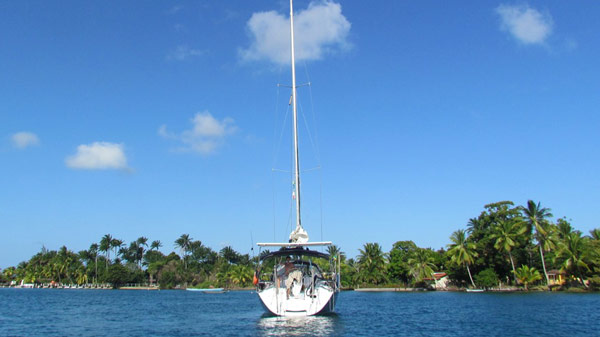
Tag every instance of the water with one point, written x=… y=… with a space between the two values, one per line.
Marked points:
x=70 y=312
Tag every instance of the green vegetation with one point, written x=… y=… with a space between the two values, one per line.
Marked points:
x=527 y=275
x=112 y=262
x=486 y=279
x=462 y=252
x=483 y=255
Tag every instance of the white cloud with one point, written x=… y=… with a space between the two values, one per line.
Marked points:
x=205 y=136
x=98 y=156
x=24 y=139
x=182 y=53
x=319 y=29
x=524 y=23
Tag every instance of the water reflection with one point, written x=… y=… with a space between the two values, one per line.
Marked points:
x=328 y=325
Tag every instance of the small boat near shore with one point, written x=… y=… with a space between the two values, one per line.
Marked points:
x=475 y=290
x=208 y=290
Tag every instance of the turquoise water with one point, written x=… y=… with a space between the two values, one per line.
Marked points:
x=71 y=312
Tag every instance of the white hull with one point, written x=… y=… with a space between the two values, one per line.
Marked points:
x=323 y=301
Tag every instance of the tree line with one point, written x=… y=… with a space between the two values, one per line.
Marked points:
x=111 y=261
x=505 y=245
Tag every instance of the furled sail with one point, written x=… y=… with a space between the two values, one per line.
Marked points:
x=299 y=235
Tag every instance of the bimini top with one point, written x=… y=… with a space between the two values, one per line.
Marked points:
x=285 y=251
x=294 y=244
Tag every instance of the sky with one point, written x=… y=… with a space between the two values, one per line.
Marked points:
x=164 y=118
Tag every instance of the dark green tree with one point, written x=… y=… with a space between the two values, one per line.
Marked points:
x=481 y=229
x=421 y=264
x=575 y=254
x=371 y=264
x=398 y=268
x=536 y=217
x=183 y=243
x=486 y=278
x=505 y=235
x=105 y=246
x=527 y=275
x=462 y=251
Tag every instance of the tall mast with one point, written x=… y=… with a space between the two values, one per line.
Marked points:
x=297 y=161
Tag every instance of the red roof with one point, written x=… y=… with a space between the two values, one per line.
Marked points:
x=436 y=276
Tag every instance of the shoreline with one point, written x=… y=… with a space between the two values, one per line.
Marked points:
x=365 y=290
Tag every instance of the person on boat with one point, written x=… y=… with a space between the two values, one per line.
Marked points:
x=292 y=274
x=284 y=269
x=288 y=266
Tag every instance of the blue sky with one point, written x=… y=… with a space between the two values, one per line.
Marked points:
x=164 y=118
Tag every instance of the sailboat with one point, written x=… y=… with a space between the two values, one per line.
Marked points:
x=289 y=281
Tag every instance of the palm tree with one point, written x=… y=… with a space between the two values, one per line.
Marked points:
x=141 y=243
x=527 y=275
x=575 y=252
x=595 y=234
x=65 y=261
x=229 y=254
x=155 y=245
x=371 y=262
x=81 y=275
x=94 y=251
x=154 y=268
x=474 y=225
x=505 y=234
x=197 y=252
x=183 y=243
x=335 y=252
x=116 y=244
x=595 y=246
x=563 y=228
x=105 y=246
x=130 y=253
x=462 y=251
x=421 y=264
x=536 y=216
x=240 y=275
x=9 y=273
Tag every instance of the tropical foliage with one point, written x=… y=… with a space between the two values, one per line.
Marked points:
x=112 y=262
x=527 y=275
x=461 y=251
x=484 y=254
x=486 y=279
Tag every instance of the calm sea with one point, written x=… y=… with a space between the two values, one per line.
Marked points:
x=70 y=312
